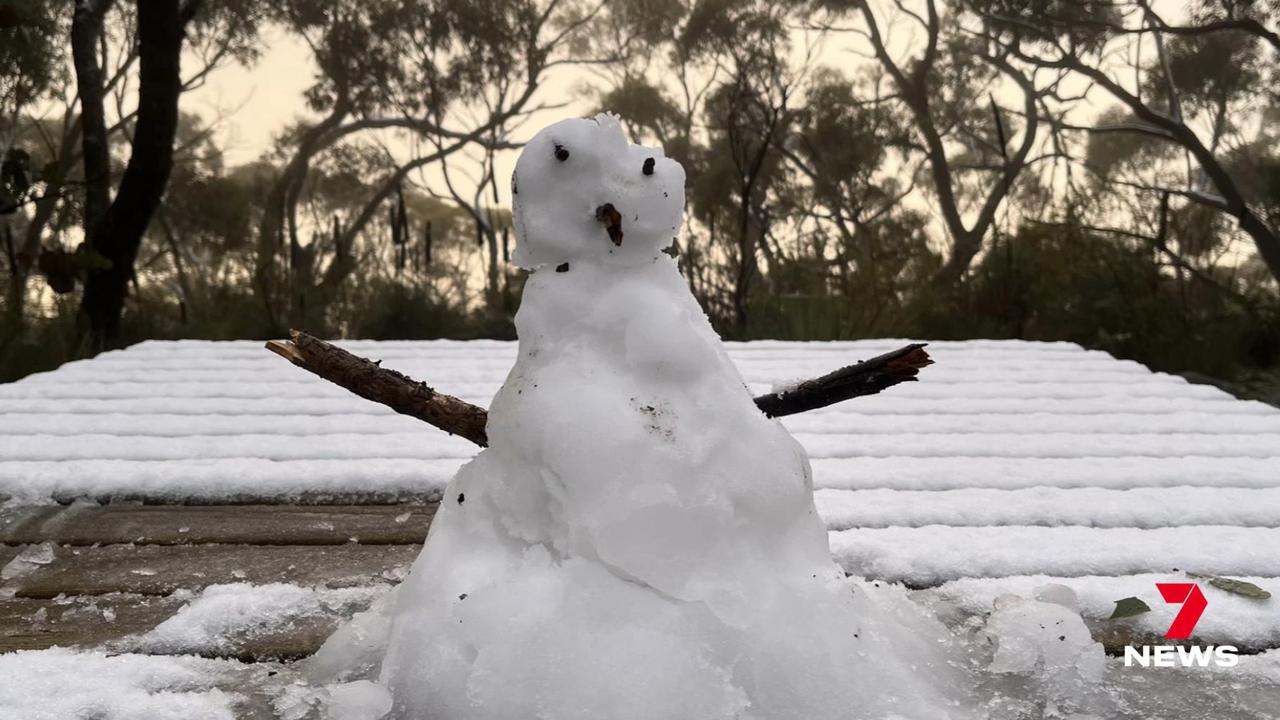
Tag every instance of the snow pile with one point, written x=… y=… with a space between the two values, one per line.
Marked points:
x=223 y=615
x=60 y=684
x=638 y=541
x=1231 y=619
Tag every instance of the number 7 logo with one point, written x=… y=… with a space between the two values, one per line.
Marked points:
x=1193 y=604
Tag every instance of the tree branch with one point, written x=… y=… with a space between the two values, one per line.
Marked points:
x=383 y=385
x=863 y=378
x=407 y=396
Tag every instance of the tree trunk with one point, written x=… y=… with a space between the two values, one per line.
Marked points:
x=86 y=31
x=1264 y=238
x=115 y=233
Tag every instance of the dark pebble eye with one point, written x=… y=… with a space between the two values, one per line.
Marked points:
x=562 y=153
x=647 y=168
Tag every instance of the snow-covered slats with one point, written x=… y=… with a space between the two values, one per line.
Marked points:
x=284 y=445
x=337 y=446
x=949 y=473
x=868 y=409
x=1089 y=506
x=326 y=418
x=301 y=386
x=223 y=479
x=1007 y=458
x=937 y=553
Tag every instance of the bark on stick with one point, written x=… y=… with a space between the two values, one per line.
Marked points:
x=383 y=385
x=863 y=378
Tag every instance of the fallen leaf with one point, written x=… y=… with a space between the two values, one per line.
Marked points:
x=1129 y=607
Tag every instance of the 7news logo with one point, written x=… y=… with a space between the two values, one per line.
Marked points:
x=1193 y=603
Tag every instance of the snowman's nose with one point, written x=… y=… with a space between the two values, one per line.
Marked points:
x=612 y=219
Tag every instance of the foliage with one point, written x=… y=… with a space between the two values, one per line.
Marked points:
x=818 y=191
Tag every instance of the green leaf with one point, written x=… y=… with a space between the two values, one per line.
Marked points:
x=1239 y=587
x=1129 y=607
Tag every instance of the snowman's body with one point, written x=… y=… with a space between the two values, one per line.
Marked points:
x=639 y=540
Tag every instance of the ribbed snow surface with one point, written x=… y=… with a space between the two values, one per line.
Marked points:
x=1007 y=458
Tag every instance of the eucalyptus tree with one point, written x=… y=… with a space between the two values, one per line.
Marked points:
x=867 y=245
x=445 y=75
x=31 y=70
x=951 y=83
x=1195 y=101
x=155 y=35
x=720 y=91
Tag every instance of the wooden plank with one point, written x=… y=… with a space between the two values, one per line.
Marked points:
x=14 y=517
x=160 y=569
x=96 y=621
x=85 y=524
x=31 y=624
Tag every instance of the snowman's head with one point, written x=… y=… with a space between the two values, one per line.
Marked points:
x=581 y=191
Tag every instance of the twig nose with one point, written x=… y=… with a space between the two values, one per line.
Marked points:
x=612 y=219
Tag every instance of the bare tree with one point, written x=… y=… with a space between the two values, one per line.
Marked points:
x=1213 y=178
x=918 y=84
x=446 y=92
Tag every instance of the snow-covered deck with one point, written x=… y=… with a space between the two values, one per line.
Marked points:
x=1009 y=465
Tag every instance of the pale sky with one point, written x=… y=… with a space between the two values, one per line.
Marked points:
x=255 y=103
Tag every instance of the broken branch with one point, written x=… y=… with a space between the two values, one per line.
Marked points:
x=863 y=378
x=383 y=385
x=457 y=417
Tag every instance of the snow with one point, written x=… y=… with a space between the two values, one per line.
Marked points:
x=222 y=615
x=1088 y=506
x=59 y=684
x=935 y=553
x=208 y=421
x=1228 y=619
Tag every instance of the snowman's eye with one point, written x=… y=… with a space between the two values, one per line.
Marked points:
x=562 y=152
x=647 y=168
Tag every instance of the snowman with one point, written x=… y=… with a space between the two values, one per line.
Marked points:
x=638 y=541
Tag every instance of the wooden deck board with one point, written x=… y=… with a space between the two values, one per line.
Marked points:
x=163 y=569
x=117 y=569
x=77 y=621
x=228 y=524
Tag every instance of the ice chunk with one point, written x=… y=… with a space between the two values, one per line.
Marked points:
x=30 y=559
x=359 y=700
x=1051 y=649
